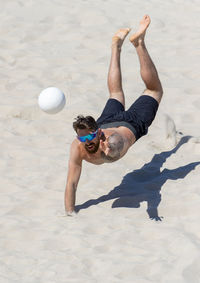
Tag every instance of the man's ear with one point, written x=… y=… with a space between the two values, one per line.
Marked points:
x=99 y=132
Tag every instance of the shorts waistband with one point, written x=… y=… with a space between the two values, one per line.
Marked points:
x=118 y=124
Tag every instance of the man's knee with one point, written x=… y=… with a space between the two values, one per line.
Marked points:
x=156 y=94
x=118 y=96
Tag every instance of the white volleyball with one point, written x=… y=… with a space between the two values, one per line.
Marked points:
x=51 y=100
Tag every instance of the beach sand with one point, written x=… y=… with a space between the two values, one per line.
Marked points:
x=138 y=218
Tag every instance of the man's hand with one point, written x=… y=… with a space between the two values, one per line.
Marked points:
x=70 y=213
x=66 y=213
x=104 y=147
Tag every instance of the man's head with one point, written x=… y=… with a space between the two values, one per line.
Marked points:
x=88 y=132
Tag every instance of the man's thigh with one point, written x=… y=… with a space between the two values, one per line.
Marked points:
x=112 y=107
x=118 y=96
x=145 y=109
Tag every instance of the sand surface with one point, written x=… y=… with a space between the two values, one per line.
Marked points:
x=114 y=237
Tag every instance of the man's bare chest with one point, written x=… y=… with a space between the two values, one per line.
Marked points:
x=100 y=158
x=96 y=158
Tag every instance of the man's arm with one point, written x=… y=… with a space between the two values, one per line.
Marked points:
x=74 y=172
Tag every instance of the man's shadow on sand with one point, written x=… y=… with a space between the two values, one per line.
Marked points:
x=145 y=184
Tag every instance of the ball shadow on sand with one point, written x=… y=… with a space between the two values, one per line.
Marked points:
x=145 y=184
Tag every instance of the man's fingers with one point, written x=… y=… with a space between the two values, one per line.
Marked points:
x=71 y=213
x=107 y=151
x=102 y=145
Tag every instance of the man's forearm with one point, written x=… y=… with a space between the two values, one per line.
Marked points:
x=70 y=197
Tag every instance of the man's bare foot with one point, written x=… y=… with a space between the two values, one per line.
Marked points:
x=118 y=38
x=138 y=37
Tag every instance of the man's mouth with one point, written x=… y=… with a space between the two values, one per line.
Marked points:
x=90 y=146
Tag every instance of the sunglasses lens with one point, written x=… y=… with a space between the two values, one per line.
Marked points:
x=82 y=139
x=88 y=137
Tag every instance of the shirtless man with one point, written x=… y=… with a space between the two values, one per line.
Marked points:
x=116 y=130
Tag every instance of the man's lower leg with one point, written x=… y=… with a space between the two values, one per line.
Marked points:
x=147 y=68
x=114 y=73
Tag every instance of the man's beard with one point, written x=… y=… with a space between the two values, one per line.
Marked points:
x=94 y=148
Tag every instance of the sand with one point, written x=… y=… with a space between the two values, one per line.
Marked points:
x=138 y=218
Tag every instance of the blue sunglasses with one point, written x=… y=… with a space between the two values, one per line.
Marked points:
x=89 y=137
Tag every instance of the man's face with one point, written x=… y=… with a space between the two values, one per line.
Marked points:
x=91 y=146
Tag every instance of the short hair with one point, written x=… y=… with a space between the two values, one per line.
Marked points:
x=87 y=122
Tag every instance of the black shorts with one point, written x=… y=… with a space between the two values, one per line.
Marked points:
x=137 y=118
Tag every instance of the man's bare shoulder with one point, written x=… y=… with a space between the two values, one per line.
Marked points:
x=79 y=152
x=75 y=143
x=75 y=151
